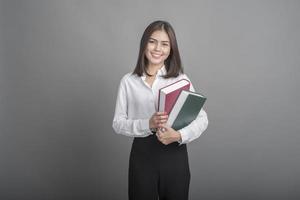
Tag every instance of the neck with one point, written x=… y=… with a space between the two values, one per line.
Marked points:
x=152 y=69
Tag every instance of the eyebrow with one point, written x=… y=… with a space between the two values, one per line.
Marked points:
x=157 y=40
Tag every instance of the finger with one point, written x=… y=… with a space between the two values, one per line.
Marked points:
x=160 y=113
x=162 y=121
x=163 y=130
x=160 y=126
x=165 y=126
x=159 y=133
x=160 y=117
x=158 y=136
x=158 y=121
x=163 y=117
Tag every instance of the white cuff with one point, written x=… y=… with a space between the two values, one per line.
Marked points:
x=184 y=137
x=144 y=125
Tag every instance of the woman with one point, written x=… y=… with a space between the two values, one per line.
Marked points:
x=158 y=163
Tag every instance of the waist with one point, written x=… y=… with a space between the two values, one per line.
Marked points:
x=151 y=142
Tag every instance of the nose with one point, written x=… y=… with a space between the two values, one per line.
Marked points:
x=158 y=47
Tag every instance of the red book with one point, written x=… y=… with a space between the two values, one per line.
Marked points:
x=168 y=94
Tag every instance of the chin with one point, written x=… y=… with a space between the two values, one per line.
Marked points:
x=156 y=63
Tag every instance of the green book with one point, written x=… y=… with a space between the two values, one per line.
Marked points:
x=186 y=109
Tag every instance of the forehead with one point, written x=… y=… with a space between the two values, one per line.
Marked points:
x=160 y=35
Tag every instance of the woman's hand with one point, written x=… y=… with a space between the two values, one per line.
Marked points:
x=167 y=135
x=158 y=119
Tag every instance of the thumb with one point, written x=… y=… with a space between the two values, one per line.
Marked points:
x=165 y=126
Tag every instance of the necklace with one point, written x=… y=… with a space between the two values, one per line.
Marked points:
x=151 y=75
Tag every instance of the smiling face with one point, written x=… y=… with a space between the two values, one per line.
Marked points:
x=158 y=49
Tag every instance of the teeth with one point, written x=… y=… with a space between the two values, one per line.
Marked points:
x=156 y=55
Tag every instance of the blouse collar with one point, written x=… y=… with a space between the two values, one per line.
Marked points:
x=161 y=72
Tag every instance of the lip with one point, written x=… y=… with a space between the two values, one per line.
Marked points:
x=154 y=55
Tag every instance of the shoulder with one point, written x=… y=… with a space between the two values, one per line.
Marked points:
x=179 y=77
x=183 y=76
x=128 y=78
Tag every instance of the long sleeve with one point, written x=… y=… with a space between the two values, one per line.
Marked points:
x=196 y=127
x=122 y=124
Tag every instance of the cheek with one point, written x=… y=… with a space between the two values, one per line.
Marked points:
x=166 y=53
x=150 y=47
x=147 y=54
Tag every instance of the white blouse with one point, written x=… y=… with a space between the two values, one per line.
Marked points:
x=137 y=101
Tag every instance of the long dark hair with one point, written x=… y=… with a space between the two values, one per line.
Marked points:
x=172 y=63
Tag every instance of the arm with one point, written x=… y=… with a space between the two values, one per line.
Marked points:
x=187 y=134
x=121 y=123
x=196 y=127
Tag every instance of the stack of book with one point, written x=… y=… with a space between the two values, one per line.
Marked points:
x=168 y=95
x=182 y=105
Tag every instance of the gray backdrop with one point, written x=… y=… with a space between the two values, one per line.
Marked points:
x=61 y=62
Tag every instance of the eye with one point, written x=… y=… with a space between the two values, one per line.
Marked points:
x=166 y=44
x=151 y=41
